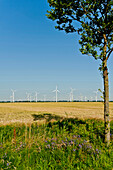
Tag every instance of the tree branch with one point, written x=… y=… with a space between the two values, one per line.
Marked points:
x=109 y=54
x=89 y=16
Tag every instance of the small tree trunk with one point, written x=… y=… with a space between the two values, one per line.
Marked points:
x=106 y=105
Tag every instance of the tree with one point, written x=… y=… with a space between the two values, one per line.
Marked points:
x=96 y=34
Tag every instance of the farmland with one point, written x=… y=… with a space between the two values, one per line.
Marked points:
x=23 y=112
x=40 y=136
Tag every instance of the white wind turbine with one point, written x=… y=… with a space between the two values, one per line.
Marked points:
x=13 y=95
x=85 y=98
x=36 y=96
x=28 y=96
x=44 y=98
x=56 y=90
x=71 y=94
x=96 y=95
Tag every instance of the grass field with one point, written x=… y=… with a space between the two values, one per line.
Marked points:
x=72 y=137
x=26 y=112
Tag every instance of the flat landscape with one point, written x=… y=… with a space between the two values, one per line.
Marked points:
x=32 y=137
x=28 y=112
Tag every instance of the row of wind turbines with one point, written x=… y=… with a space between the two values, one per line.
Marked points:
x=36 y=95
x=56 y=95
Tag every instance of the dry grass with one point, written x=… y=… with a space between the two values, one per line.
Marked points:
x=23 y=112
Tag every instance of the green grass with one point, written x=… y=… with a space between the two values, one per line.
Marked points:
x=66 y=144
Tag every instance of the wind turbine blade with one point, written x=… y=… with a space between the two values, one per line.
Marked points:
x=54 y=91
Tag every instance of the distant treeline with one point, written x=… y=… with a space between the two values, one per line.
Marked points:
x=50 y=101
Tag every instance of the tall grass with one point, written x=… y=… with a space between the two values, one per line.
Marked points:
x=64 y=144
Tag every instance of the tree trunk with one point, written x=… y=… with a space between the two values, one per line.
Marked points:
x=106 y=104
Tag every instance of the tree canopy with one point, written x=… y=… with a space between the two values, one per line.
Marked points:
x=96 y=23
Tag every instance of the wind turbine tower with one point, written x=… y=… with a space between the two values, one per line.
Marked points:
x=13 y=95
x=85 y=98
x=71 y=95
x=28 y=96
x=36 y=98
x=44 y=98
x=56 y=90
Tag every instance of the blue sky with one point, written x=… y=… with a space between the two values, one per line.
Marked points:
x=36 y=57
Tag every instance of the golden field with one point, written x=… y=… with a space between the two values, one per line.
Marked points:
x=23 y=112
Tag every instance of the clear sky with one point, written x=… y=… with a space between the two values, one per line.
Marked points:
x=34 y=56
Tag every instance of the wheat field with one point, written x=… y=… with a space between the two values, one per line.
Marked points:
x=23 y=112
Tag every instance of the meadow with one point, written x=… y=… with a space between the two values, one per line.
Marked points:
x=48 y=136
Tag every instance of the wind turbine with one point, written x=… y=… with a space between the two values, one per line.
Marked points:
x=56 y=90
x=96 y=95
x=13 y=95
x=44 y=98
x=85 y=98
x=36 y=94
x=71 y=95
x=28 y=96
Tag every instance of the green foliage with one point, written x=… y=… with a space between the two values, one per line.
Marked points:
x=95 y=20
x=66 y=144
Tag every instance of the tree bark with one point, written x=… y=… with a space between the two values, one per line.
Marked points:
x=106 y=104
